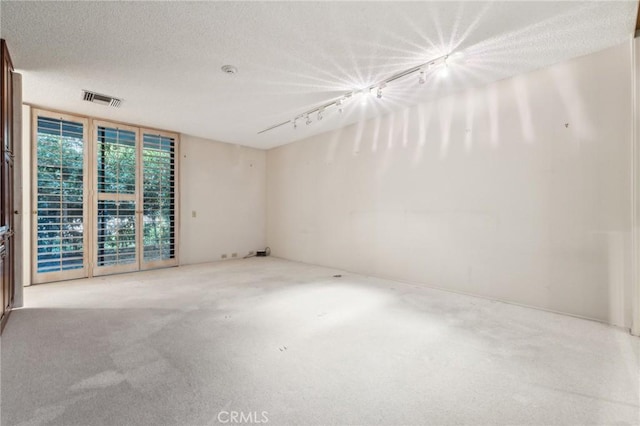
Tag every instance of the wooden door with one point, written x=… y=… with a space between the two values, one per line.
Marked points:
x=6 y=183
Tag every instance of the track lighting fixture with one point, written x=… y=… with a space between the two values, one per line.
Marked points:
x=376 y=89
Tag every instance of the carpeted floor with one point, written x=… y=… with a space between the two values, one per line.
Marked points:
x=267 y=340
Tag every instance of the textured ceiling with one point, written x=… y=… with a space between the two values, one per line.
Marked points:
x=163 y=58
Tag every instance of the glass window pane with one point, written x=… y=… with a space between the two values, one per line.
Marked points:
x=59 y=193
x=116 y=235
x=116 y=161
x=158 y=157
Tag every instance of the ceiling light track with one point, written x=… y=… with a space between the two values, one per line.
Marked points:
x=375 y=88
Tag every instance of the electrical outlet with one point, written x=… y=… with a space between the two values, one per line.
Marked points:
x=193 y=213
x=234 y=254
x=224 y=256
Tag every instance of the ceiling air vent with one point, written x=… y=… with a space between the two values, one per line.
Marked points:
x=97 y=98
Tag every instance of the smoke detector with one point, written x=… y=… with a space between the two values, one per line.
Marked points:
x=229 y=69
x=97 y=98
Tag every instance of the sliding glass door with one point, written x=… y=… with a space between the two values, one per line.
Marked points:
x=104 y=202
x=159 y=199
x=59 y=197
x=117 y=199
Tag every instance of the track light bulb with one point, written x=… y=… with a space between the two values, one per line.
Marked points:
x=295 y=123
x=320 y=114
x=363 y=94
x=421 y=79
x=444 y=69
x=308 y=120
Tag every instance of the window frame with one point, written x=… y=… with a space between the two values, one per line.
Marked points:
x=91 y=197
x=42 y=277
x=155 y=264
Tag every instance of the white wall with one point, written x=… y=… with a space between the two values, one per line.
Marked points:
x=225 y=185
x=518 y=191
x=20 y=215
x=25 y=231
x=635 y=325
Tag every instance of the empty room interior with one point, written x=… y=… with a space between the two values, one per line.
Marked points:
x=320 y=213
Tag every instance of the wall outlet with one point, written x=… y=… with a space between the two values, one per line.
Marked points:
x=224 y=256
x=234 y=254
x=193 y=213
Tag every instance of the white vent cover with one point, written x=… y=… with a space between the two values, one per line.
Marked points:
x=97 y=98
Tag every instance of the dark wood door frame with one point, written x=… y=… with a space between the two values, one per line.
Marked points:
x=7 y=237
x=638 y=21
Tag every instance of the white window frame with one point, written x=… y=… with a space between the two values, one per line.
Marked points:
x=91 y=197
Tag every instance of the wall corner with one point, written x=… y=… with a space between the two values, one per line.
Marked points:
x=635 y=188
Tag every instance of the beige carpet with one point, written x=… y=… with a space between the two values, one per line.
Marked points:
x=258 y=340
